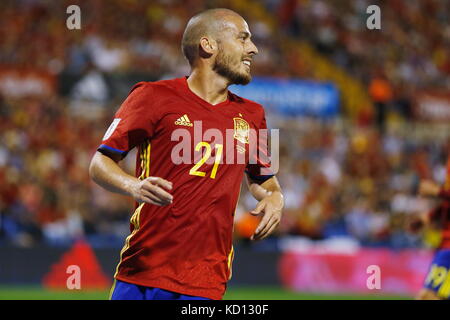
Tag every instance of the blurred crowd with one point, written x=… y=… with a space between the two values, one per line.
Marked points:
x=45 y=191
x=144 y=36
x=411 y=51
x=339 y=179
x=412 y=48
x=115 y=36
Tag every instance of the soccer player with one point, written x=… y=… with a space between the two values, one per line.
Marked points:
x=180 y=246
x=437 y=282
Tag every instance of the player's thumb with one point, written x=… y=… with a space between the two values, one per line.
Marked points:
x=259 y=208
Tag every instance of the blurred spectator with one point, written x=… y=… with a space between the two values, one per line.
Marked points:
x=90 y=94
x=381 y=93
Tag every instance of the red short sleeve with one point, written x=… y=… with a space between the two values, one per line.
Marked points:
x=133 y=123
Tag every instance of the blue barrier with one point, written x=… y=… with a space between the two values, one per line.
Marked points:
x=292 y=96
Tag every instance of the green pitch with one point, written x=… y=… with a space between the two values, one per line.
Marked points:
x=233 y=293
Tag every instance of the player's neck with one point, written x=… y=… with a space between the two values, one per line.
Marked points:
x=208 y=86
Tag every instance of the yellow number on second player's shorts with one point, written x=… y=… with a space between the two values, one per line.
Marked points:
x=194 y=170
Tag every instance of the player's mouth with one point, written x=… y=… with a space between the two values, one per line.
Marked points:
x=247 y=62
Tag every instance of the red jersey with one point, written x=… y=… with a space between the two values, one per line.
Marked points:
x=185 y=247
x=441 y=214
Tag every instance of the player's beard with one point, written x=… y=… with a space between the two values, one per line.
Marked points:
x=224 y=66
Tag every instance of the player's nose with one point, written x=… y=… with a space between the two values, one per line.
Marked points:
x=252 y=49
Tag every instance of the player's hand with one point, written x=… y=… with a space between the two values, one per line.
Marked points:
x=151 y=190
x=428 y=188
x=271 y=206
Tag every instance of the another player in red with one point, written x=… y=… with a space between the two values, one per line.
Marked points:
x=180 y=246
x=437 y=282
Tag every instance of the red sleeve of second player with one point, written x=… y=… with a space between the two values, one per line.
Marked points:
x=259 y=166
x=133 y=123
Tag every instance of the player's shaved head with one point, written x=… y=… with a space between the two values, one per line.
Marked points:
x=208 y=23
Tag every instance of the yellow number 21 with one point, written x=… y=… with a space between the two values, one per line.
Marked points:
x=194 y=170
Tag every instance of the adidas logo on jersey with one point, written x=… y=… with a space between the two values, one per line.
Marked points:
x=184 y=121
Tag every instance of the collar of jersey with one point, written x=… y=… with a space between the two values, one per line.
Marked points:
x=202 y=101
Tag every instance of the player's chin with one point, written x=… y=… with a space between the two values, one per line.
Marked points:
x=247 y=80
x=243 y=78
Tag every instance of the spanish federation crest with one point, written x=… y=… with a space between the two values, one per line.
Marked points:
x=241 y=130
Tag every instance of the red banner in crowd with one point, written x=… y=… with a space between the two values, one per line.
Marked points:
x=432 y=106
x=401 y=272
x=18 y=83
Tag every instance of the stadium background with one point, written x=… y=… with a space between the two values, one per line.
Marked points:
x=363 y=114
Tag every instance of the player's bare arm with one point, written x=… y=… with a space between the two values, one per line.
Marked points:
x=106 y=172
x=271 y=202
x=426 y=294
x=428 y=188
x=417 y=222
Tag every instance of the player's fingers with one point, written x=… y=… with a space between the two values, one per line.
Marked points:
x=161 y=194
x=273 y=225
x=259 y=208
x=273 y=222
x=161 y=182
x=153 y=199
x=263 y=223
x=263 y=228
x=153 y=186
x=150 y=201
x=145 y=199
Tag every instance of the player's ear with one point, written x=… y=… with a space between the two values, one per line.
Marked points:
x=207 y=47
